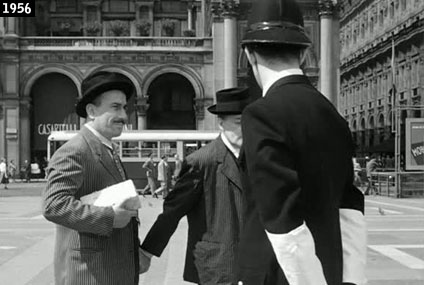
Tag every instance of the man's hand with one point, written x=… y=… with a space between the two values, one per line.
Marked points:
x=122 y=215
x=144 y=260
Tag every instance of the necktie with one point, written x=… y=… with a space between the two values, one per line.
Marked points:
x=117 y=161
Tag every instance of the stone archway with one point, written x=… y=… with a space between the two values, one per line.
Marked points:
x=53 y=97
x=196 y=96
x=171 y=103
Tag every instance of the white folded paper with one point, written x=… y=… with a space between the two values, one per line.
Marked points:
x=123 y=192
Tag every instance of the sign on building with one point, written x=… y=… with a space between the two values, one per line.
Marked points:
x=414 y=146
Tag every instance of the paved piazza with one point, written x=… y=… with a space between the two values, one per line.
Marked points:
x=395 y=241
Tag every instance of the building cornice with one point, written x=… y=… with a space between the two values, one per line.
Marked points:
x=380 y=45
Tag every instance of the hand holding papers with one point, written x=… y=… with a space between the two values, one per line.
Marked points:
x=122 y=197
x=123 y=194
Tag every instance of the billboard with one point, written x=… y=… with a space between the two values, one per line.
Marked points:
x=414 y=144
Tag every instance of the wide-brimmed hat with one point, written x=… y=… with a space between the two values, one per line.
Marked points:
x=276 y=22
x=98 y=83
x=230 y=101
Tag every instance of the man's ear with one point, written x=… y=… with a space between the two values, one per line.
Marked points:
x=251 y=57
x=220 y=122
x=90 y=109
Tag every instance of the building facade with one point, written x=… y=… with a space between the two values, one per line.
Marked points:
x=177 y=53
x=382 y=66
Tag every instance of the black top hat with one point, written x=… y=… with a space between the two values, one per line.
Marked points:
x=276 y=22
x=98 y=83
x=230 y=101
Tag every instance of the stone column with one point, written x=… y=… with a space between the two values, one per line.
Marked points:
x=328 y=70
x=24 y=130
x=189 y=16
x=142 y=107
x=218 y=48
x=200 y=105
x=230 y=43
x=11 y=26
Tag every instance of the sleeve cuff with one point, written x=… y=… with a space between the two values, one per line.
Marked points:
x=295 y=252
x=354 y=240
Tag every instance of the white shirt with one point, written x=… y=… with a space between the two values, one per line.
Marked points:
x=278 y=75
x=230 y=147
x=3 y=167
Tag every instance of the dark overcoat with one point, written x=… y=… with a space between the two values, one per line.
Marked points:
x=297 y=165
x=208 y=192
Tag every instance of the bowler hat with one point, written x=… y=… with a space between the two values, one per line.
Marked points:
x=276 y=22
x=98 y=83
x=230 y=101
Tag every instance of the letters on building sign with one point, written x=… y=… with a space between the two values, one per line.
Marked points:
x=46 y=129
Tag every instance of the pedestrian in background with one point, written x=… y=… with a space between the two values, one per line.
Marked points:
x=164 y=176
x=94 y=245
x=149 y=166
x=177 y=168
x=4 y=177
x=371 y=166
x=297 y=166
x=208 y=191
x=25 y=171
x=12 y=170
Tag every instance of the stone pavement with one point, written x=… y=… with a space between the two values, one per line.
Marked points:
x=395 y=241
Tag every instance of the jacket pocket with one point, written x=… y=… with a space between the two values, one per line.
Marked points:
x=215 y=263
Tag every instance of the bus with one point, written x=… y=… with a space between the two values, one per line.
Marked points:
x=135 y=146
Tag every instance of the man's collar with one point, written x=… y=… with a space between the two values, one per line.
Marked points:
x=230 y=147
x=278 y=75
x=102 y=139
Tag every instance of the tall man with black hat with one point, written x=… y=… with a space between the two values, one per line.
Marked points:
x=208 y=192
x=297 y=166
x=94 y=245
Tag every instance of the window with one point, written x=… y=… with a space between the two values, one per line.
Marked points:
x=66 y=6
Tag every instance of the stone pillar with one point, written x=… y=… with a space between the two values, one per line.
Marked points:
x=200 y=105
x=328 y=70
x=230 y=43
x=11 y=26
x=142 y=107
x=24 y=130
x=189 y=16
x=218 y=48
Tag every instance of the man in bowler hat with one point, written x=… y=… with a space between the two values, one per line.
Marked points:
x=297 y=166
x=208 y=192
x=94 y=245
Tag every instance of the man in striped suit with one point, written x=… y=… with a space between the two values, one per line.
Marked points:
x=94 y=245
x=208 y=192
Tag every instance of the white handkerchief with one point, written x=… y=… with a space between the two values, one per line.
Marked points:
x=115 y=195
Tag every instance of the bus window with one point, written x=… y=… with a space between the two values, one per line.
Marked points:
x=191 y=146
x=130 y=149
x=147 y=148
x=168 y=148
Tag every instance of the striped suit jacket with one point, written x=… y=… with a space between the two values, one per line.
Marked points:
x=208 y=192
x=88 y=249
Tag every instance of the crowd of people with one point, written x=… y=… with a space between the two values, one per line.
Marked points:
x=271 y=201
x=9 y=171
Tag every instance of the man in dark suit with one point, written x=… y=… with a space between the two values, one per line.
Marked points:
x=297 y=166
x=208 y=192
x=94 y=245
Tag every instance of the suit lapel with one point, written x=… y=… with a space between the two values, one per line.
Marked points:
x=229 y=166
x=102 y=153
